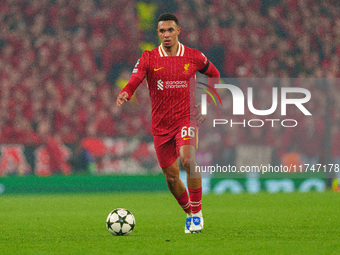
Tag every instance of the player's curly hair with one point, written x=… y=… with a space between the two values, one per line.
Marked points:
x=166 y=17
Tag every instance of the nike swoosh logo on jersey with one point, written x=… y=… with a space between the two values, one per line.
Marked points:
x=186 y=138
x=156 y=69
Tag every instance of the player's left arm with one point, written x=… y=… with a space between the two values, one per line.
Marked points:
x=213 y=77
x=210 y=70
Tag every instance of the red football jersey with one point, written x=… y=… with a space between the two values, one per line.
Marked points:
x=168 y=80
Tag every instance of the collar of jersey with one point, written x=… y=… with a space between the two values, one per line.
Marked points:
x=180 y=51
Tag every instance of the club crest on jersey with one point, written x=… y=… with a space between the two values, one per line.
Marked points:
x=186 y=69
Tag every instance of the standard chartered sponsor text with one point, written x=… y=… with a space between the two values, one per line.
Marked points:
x=175 y=84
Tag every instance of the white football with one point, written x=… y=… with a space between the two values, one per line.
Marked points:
x=120 y=222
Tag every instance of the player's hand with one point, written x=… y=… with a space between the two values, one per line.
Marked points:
x=122 y=98
x=199 y=117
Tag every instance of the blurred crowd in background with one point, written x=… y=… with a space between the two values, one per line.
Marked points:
x=62 y=63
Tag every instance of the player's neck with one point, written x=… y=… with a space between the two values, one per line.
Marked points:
x=172 y=51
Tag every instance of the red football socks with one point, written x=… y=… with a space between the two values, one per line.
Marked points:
x=184 y=202
x=195 y=197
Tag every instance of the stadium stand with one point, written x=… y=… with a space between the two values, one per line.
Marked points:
x=62 y=62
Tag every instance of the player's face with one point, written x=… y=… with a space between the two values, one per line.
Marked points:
x=168 y=32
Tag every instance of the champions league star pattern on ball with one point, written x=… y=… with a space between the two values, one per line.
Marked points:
x=120 y=222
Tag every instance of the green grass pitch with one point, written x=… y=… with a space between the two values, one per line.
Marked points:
x=295 y=223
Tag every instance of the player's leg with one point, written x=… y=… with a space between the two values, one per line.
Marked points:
x=194 y=182
x=171 y=174
x=188 y=157
x=168 y=160
x=186 y=143
x=177 y=188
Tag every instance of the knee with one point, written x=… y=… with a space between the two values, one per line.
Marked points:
x=171 y=178
x=187 y=162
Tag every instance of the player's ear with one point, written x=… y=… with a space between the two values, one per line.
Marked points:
x=179 y=30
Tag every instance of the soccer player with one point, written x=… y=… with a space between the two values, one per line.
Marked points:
x=168 y=70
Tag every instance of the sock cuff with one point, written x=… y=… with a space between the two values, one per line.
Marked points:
x=184 y=201
x=185 y=193
x=199 y=190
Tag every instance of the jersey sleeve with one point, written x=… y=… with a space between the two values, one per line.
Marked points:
x=204 y=66
x=208 y=68
x=138 y=74
x=141 y=67
x=201 y=60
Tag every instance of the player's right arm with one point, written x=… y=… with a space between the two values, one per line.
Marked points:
x=127 y=92
x=138 y=74
x=122 y=98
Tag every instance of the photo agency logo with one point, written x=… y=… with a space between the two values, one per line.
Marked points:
x=204 y=102
x=282 y=97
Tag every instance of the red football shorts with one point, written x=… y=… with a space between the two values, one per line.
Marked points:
x=167 y=146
